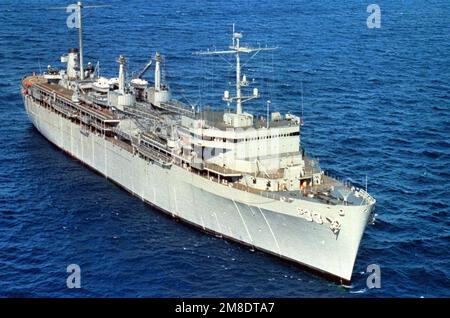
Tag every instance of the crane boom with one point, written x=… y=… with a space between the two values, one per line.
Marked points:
x=145 y=69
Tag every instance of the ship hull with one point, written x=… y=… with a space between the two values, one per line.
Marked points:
x=270 y=225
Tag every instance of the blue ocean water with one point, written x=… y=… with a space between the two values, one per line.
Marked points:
x=376 y=103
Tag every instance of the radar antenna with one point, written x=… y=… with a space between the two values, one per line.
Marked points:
x=237 y=49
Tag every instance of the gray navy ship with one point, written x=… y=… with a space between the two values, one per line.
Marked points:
x=229 y=173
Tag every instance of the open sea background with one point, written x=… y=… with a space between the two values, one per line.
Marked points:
x=376 y=103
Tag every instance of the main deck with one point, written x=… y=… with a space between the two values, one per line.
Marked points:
x=104 y=121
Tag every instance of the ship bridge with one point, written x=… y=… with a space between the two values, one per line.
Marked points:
x=264 y=148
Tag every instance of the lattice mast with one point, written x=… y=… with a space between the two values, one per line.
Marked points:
x=241 y=81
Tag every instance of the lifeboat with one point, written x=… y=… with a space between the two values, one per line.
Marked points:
x=101 y=85
x=139 y=83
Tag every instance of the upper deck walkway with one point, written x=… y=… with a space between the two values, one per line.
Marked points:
x=40 y=82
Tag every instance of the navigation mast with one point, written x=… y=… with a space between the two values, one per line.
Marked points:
x=237 y=49
x=77 y=7
x=80 y=39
